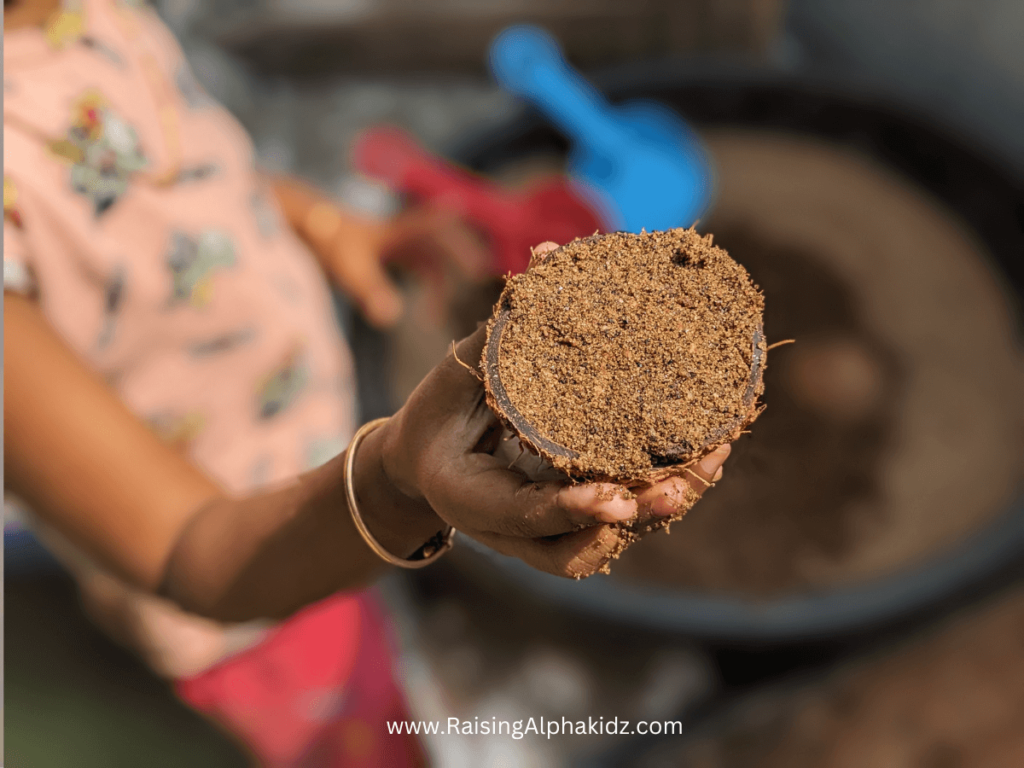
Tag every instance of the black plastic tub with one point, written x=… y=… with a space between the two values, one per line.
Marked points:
x=974 y=184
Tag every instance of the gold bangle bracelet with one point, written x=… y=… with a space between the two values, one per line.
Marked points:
x=425 y=555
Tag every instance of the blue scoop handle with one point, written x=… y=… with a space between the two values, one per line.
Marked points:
x=528 y=62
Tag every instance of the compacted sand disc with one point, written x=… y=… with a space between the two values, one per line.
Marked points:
x=627 y=357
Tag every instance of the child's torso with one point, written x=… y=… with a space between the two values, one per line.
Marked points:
x=159 y=255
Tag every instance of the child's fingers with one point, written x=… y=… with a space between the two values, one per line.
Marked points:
x=575 y=555
x=539 y=252
x=359 y=273
x=381 y=305
x=709 y=468
x=675 y=494
x=480 y=496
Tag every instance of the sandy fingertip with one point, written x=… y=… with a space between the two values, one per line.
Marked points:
x=607 y=502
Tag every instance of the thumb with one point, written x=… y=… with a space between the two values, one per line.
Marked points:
x=448 y=407
x=455 y=386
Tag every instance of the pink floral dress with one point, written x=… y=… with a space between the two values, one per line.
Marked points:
x=134 y=216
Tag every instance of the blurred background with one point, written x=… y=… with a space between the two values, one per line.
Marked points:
x=853 y=594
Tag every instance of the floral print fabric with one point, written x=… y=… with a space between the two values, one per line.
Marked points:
x=134 y=216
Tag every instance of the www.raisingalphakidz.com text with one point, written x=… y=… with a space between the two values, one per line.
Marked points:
x=537 y=726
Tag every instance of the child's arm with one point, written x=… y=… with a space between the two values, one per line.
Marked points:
x=94 y=472
x=87 y=466
x=74 y=452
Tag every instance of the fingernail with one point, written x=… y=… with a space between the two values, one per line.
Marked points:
x=667 y=502
x=670 y=496
x=603 y=501
x=718 y=475
x=713 y=461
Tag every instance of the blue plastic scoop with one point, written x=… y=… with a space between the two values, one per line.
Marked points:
x=639 y=164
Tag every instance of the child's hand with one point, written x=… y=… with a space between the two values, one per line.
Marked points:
x=435 y=450
x=424 y=242
x=352 y=257
x=355 y=250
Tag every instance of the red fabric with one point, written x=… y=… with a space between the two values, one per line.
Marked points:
x=316 y=694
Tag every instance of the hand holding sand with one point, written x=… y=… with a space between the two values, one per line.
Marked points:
x=439 y=449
